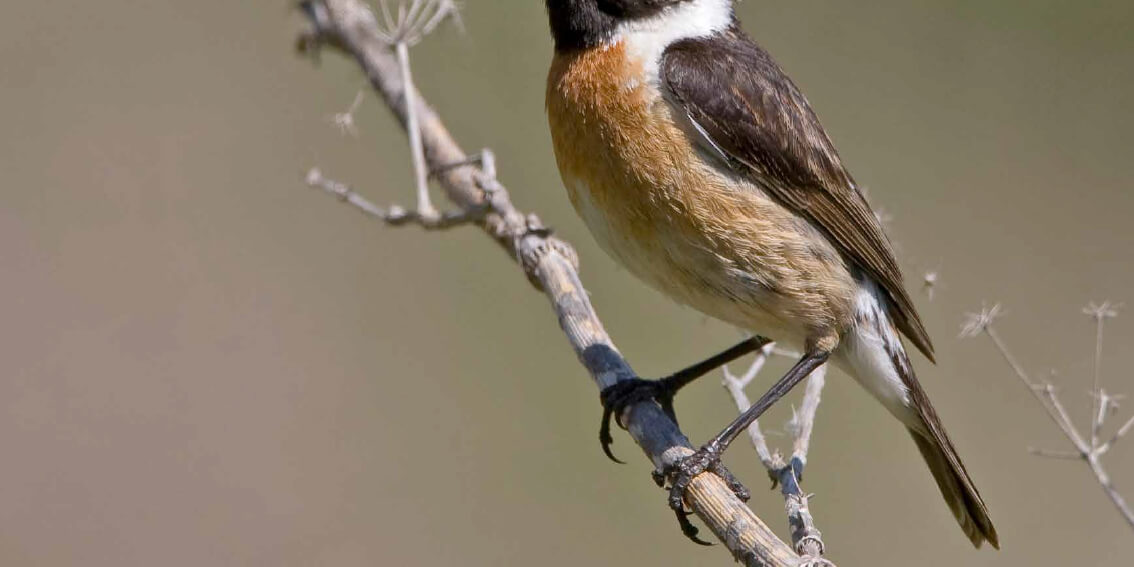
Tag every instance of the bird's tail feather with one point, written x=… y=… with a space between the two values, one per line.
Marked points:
x=952 y=478
x=873 y=353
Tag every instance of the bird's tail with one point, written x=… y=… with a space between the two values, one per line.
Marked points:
x=873 y=353
x=952 y=478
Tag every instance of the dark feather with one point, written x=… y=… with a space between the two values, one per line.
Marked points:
x=750 y=113
x=948 y=471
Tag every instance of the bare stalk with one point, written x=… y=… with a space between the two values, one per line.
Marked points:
x=345 y=120
x=1098 y=402
x=413 y=129
x=1087 y=448
x=1118 y=435
x=394 y=215
x=803 y=421
x=806 y=537
x=1111 y=492
x=735 y=386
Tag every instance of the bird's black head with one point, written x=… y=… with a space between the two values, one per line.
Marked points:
x=577 y=24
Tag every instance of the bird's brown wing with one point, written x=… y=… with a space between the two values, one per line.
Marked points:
x=752 y=115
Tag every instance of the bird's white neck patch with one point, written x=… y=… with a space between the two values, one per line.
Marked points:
x=647 y=38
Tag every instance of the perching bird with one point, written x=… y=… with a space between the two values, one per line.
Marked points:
x=698 y=164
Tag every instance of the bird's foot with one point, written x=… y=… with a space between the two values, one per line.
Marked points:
x=681 y=473
x=625 y=393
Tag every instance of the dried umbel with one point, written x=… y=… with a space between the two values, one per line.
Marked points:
x=412 y=20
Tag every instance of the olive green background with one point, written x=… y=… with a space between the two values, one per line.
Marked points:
x=203 y=362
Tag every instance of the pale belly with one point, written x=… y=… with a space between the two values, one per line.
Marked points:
x=691 y=273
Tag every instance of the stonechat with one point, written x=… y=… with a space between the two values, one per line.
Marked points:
x=699 y=166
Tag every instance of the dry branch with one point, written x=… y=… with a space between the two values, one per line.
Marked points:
x=549 y=263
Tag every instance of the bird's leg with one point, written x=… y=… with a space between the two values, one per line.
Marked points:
x=626 y=393
x=708 y=457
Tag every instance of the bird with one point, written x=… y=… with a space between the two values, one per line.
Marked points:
x=699 y=166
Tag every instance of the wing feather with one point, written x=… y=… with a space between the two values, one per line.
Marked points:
x=747 y=110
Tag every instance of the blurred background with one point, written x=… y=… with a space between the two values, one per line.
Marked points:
x=204 y=362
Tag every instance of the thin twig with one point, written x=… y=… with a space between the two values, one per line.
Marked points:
x=345 y=120
x=1087 y=448
x=803 y=421
x=410 y=26
x=1104 y=480
x=981 y=323
x=735 y=386
x=1118 y=435
x=394 y=215
x=1099 y=407
x=413 y=129
x=1049 y=454
x=806 y=537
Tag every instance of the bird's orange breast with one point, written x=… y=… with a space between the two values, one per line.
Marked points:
x=695 y=231
x=624 y=162
x=608 y=144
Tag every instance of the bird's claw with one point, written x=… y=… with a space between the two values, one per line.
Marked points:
x=625 y=393
x=681 y=473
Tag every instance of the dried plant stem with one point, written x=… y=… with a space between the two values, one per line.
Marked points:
x=1118 y=435
x=1044 y=393
x=806 y=537
x=1099 y=404
x=413 y=130
x=1087 y=447
x=395 y=215
x=735 y=386
x=548 y=262
x=1095 y=463
x=804 y=420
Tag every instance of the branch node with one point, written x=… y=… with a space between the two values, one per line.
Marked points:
x=532 y=256
x=1101 y=311
x=977 y=323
